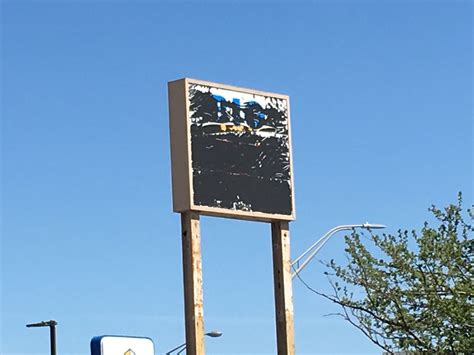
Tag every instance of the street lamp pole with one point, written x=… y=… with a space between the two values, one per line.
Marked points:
x=182 y=347
x=52 y=332
x=303 y=260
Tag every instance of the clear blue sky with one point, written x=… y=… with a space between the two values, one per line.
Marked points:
x=382 y=111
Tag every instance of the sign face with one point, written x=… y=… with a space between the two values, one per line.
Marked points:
x=119 y=345
x=231 y=151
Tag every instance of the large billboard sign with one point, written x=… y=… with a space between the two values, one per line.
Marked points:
x=231 y=151
x=121 y=345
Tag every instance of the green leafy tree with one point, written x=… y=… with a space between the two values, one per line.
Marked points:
x=412 y=291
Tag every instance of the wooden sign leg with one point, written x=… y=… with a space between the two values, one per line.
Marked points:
x=192 y=272
x=283 y=288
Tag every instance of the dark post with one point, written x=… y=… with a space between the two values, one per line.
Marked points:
x=52 y=335
x=52 y=332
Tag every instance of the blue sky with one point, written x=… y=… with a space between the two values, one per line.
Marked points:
x=382 y=105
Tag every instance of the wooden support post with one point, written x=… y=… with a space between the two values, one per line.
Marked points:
x=283 y=288
x=192 y=274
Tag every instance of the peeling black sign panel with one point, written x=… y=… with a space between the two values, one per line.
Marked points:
x=240 y=150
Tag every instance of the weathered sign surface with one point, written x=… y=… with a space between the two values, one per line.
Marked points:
x=231 y=151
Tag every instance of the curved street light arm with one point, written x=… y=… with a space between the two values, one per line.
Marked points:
x=329 y=233
x=183 y=346
x=179 y=352
x=315 y=247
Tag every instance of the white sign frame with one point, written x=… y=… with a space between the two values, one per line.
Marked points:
x=121 y=345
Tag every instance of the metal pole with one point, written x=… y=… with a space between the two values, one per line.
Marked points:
x=182 y=347
x=52 y=334
x=177 y=348
x=313 y=249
